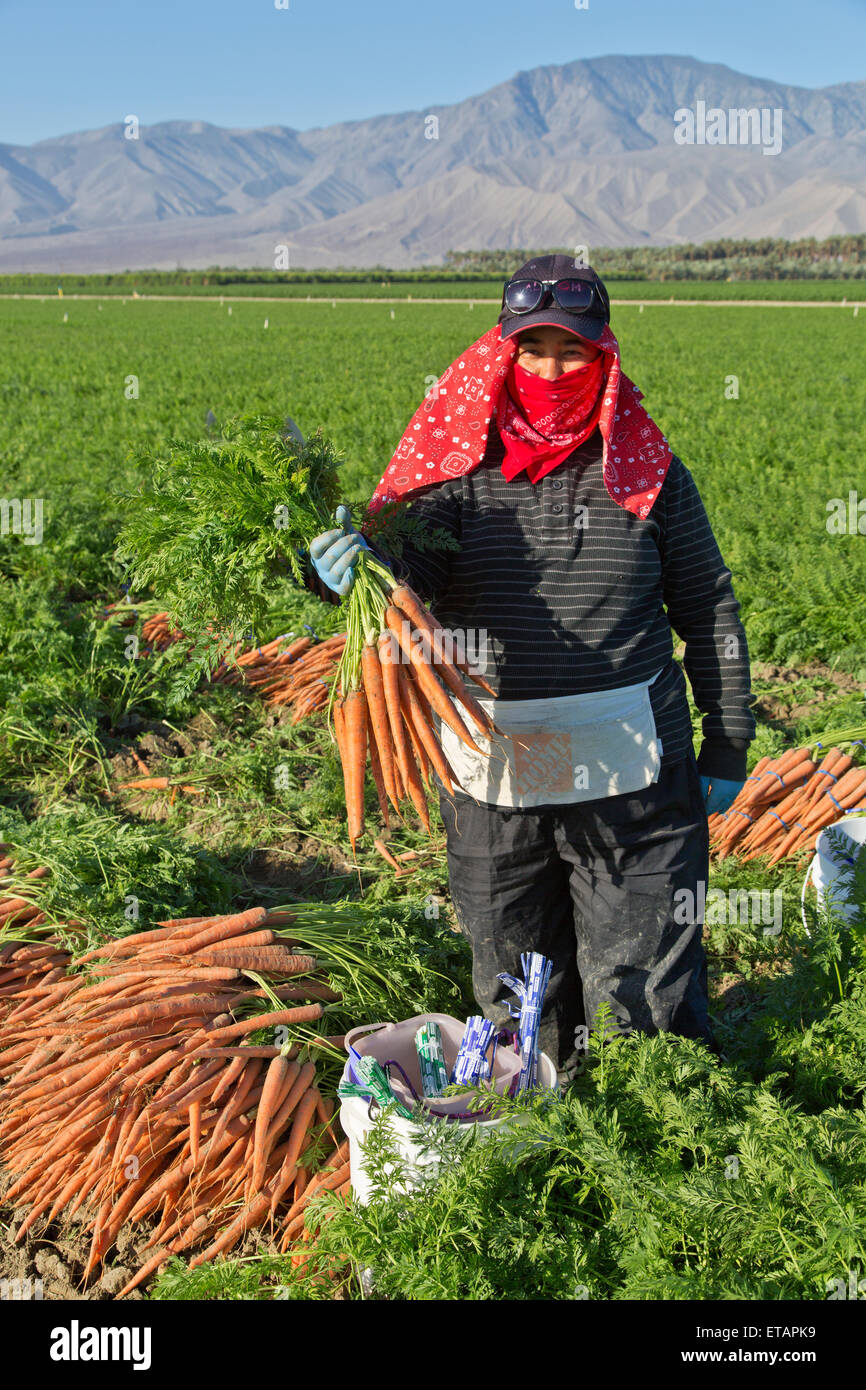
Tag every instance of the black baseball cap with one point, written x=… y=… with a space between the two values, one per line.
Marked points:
x=586 y=323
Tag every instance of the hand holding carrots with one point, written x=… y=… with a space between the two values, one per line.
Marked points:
x=334 y=553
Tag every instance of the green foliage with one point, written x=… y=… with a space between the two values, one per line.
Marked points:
x=768 y=258
x=218 y=519
x=662 y=1174
x=112 y=877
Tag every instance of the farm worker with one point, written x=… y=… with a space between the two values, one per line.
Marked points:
x=582 y=544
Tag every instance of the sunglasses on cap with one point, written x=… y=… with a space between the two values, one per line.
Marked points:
x=523 y=296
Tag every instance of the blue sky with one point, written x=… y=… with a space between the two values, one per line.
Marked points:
x=71 y=65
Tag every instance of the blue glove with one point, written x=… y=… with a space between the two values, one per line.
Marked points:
x=718 y=794
x=334 y=553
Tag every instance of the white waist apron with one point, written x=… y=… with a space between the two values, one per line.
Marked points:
x=557 y=751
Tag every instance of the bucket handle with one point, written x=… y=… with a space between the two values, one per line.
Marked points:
x=361 y=1030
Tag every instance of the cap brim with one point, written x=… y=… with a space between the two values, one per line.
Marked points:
x=582 y=326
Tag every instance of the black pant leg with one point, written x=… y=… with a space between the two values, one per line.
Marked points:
x=630 y=855
x=510 y=892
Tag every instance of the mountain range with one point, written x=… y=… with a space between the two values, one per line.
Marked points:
x=578 y=154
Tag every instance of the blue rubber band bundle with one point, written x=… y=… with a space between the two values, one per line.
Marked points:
x=471 y=1064
x=530 y=991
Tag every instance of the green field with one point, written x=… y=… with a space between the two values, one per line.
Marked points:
x=768 y=463
x=833 y=291
x=658 y=1119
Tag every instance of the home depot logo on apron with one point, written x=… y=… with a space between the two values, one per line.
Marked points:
x=561 y=750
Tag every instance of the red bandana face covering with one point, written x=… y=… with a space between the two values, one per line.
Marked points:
x=540 y=423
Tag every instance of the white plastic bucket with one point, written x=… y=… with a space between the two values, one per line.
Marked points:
x=390 y=1041
x=830 y=869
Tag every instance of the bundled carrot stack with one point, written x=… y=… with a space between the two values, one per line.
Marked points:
x=395 y=675
x=786 y=802
x=17 y=908
x=299 y=676
x=158 y=632
x=133 y=1094
x=258 y=666
x=29 y=968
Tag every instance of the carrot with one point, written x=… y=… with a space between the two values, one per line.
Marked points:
x=846 y=788
x=265 y=937
x=198 y=1227
x=232 y=925
x=827 y=779
x=355 y=750
x=301 y=1179
x=251 y=1213
x=279 y=1075
x=241 y=1055
x=194 y=1130
x=147 y=783
x=385 y=853
x=229 y=1076
x=272 y=958
x=378 y=779
x=405 y=598
x=314 y=700
x=297 y=1212
x=428 y=681
x=419 y=753
x=416 y=718
x=377 y=709
x=305 y=1013
x=773 y=772
x=300 y=1128
x=405 y=768
x=41 y=1201
x=17 y=908
x=152 y=1012
x=178 y=930
x=429 y=646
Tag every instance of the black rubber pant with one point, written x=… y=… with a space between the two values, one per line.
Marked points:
x=590 y=885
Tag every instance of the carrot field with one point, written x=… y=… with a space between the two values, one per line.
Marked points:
x=630 y=1191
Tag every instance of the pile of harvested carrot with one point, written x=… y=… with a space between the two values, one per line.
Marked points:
x=133 y=1094
x=786 y=802
x=394 y=676
x=27 y=967
x=16 y=907
x=298 y=674
x=158 y=633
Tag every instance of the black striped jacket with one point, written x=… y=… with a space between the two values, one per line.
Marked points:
x=575 y=594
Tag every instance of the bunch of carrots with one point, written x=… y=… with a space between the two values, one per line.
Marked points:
x=298 y=674
x=133 y=1093
x=16 y=908
x=24 y=965
x=393 y=677
x=158 y=632
x=785 y=803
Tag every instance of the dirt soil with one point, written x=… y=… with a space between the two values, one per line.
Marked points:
x=60 y=1262
x=777 y=704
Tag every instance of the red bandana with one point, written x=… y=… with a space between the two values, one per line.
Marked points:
x=541 y=422
x=447 y=435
